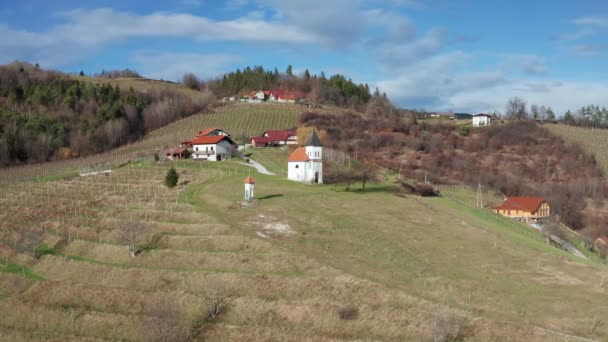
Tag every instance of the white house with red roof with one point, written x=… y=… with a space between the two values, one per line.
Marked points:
x=305 y=164
x=285 y=96
x=275 y=138
x=212 y=144
x=525 y=209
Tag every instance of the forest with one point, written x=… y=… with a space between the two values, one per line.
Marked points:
x=336 y=89
x=46 y=115
x=521 y=158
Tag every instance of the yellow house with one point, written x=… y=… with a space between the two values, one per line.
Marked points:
x=525 y=209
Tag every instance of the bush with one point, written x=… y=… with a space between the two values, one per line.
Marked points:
x=348 y=313
x=156 y=157
x=449 y=326
x=426 y=190
x=464 y=131
x=171 y=178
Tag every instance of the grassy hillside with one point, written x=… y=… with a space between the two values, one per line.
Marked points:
x=288 y=269
x=595 y=140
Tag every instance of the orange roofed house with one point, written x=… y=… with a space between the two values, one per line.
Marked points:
x=525 y=209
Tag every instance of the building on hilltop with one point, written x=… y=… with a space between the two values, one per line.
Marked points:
x=481 y=120
x=212 y=144
x=305 y=164
x=524 y=209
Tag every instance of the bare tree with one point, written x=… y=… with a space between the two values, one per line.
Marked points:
x=367 y=173
x=516 y=109
x=132 y=233
x=191 y=81
x=165 y=322
x=30 y=241
x=315 y=92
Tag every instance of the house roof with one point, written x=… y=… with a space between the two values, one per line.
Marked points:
x=314 y=139
x=178 y=150
x=280 y=134
x=486 y=115
x=299 y=155
x=249 y=180
x=529 y=204
x=287 y=95
x=206 y=131
x=262 y=139
x=208 y=139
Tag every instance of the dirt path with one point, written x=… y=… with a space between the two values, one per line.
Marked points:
x=261 y=169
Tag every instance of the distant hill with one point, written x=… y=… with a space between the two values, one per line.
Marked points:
x=47 y=115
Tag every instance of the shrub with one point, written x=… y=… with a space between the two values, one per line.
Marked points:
x=171 y=178
x=464 y=131
x=426 y=190
x=347 y=312
x=449 y=326
x=214 y=304
x=156 y=157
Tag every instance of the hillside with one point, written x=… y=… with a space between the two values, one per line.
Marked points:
x=301 y=265
x=594 y=140
x=47 y=115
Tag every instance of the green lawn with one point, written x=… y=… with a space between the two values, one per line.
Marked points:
x=434 y=248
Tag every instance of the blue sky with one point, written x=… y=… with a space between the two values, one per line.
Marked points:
x=465 y=56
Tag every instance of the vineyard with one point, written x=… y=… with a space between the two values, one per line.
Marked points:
x=595 y=140
x=66 y=271
x=241 y=121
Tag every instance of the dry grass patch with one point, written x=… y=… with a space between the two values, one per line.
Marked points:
x=218 y=243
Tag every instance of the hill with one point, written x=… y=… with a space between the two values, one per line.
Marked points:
x=594 y=140
x=306 y=263
x=47 y=115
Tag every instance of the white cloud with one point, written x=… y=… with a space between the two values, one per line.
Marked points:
x=529 y=64
x=172 y=66
x=87 y=30
x=591 y=21
x=577 y=35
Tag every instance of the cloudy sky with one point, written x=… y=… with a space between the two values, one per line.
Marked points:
x=460 y=55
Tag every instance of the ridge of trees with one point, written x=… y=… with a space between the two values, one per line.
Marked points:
x=335 y=89
x=44 y=111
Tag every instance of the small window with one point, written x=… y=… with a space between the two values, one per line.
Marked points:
x=297 y=166
x=196 y=149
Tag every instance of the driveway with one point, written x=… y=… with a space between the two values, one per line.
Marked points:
x=261 y=169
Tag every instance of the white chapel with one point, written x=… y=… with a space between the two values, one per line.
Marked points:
x=305 y=164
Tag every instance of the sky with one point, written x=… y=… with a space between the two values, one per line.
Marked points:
x=437 y=55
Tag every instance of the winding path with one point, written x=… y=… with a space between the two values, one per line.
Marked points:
x=261 y=169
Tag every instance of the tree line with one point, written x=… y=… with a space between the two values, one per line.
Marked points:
x=42 y=112
x=335 y=89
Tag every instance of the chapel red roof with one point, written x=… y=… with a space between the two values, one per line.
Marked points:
x=249 y=180
x=299 y=155
x=529 y=204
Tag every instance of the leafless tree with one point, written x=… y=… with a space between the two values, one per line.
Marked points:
x=30 y=241
x=516 y=109
x=367 y=173
x=132 y=233
x=165 y=322
x=191 y=81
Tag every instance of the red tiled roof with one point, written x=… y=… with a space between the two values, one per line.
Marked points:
x=280 y=135
x=178 y=150
x=260 y=140
x=287 y=95
x=207 y=131
x=299 y=155
x=267 y=92
x=601 y=241
x=208 y=139
x=249 y=180
x=529 y=204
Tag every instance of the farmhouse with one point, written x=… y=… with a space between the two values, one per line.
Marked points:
x=525 y=209
x=481 y=120
x=212 y=131
x=213 y=148
x=305 y=164
x=284 y=96
x=275 y=138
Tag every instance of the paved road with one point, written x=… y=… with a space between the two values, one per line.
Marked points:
x=261 y=169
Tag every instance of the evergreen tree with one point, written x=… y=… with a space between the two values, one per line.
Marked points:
x=171 y=178
x=81 y=73
x=550 y=114
x=568 y=117
x=289 y=70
